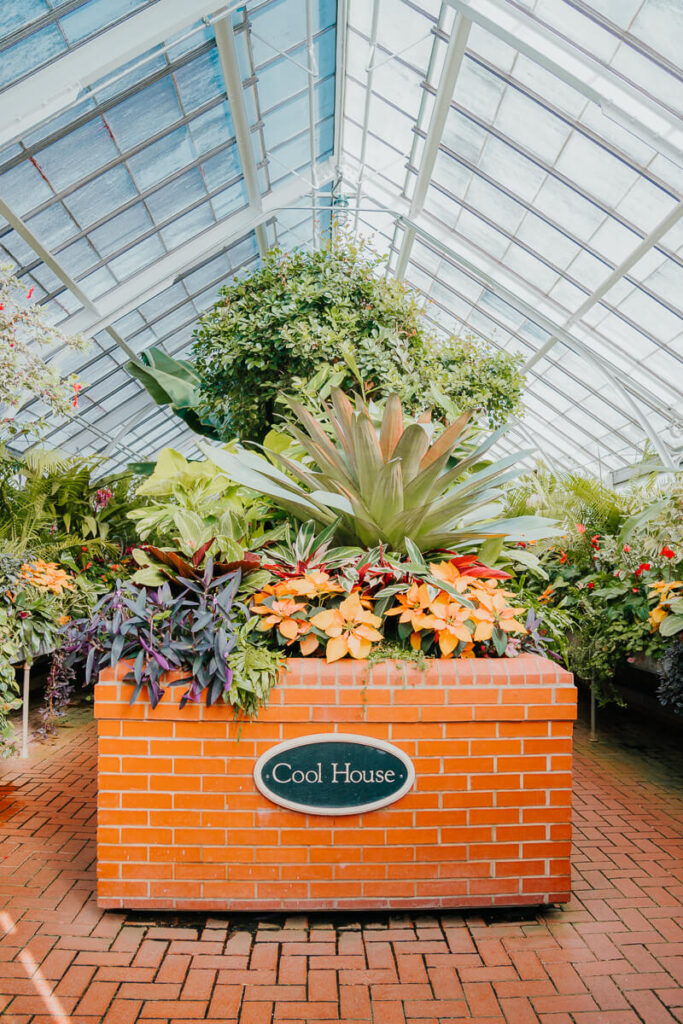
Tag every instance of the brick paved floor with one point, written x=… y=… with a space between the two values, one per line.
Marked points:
x=613 y=956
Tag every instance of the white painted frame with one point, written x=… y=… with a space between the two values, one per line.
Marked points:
x=334 y=737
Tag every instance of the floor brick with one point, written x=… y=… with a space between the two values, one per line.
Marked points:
x=614 y=955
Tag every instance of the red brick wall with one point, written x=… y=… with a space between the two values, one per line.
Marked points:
x=182 y=825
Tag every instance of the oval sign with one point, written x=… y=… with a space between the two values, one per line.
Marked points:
x=334 y=773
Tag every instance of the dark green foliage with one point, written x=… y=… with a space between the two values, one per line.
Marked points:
x=174 y=382
x=303 y=312
x=670 y=690
x=197 y=625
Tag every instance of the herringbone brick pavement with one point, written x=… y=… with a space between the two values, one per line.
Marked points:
x=614 y=955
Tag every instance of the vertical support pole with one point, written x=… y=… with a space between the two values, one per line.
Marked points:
x=24 y=710
x=594 y=736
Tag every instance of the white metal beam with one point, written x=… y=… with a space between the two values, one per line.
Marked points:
x=374 y=29
x=162 y=274
x=310 y=74
x=227 y=52
x=455 y=53
x=57 y=86
x=614 y=277
x=55 y=266
x=340 y=83
x=618 y=100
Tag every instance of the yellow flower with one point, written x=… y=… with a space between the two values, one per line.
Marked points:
x=547 y=594
x=664 y=589
x=350 y=627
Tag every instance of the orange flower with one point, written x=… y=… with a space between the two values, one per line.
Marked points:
x=495 y=611
x=350 y=627
x=448 y=571
x=282 y=614
x=312 y=584
x=63 y=619
x=448 y=621
x=411 y=605
x=45 y=576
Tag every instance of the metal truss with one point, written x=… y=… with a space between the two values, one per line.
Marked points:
x=619 y=272
x=611 y=374
x=162 y=274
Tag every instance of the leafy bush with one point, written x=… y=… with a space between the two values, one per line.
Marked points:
x=300 y=311
x=615 y=573
x=193 y=625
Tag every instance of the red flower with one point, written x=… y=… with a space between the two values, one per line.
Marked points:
x=666 y=552
x=84 y=548
x=563 y=557
x=627 y=548
x=643 y=567
x=30 y=293
x=594 y=541
x=77 y=388
x=580 y=527
x=635 y=590
x=591 y=585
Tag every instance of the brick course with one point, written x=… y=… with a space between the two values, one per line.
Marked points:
x=181 y=824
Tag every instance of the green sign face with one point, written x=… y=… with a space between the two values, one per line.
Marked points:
x=334 y=773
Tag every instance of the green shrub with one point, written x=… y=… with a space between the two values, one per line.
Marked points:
x=330 y=308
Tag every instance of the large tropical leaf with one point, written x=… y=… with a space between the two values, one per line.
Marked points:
x=381 y=484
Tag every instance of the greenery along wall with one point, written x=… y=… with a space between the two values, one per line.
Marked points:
x=306 y=321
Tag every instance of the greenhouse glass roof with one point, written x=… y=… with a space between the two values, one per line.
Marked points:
x=519 y=161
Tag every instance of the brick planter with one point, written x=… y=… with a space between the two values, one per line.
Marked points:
x=182 y=825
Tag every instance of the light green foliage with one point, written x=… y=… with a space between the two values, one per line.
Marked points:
x=189 y=504
x=256 y=670
x=332 y=310
x=10 y=647
x=48 y=504
x=384 y=485
x=24 y=329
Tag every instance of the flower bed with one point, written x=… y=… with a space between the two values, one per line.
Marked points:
x=183 y=825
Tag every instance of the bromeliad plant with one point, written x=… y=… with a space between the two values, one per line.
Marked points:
x=381 y=486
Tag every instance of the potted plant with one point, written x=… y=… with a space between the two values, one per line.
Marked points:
x=414 y=751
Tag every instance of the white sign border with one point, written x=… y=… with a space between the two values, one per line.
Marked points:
x=334 y=737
